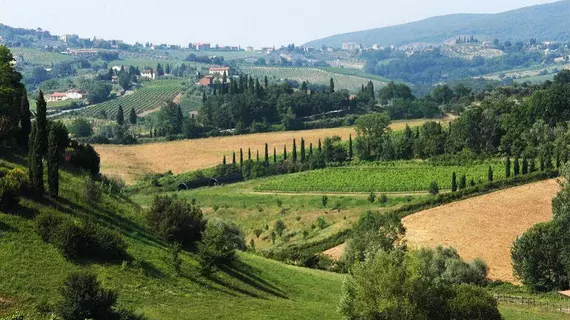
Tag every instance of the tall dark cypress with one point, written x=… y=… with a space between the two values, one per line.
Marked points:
x=302 y=150
x=266 y=82
x=257 y=155
x=331 y=86
x=234 y=158
x=453 y=182
x=53 y=164
x=508 y=167
x=524 y=166
x=248 y=153
x=311 y=149
x=350 y=154
x=25 y=121
x=224 y=163
x=320 y=148
x=35 y=164
x=266 y=154
x=240 y=157
x=517 y=169
x=294 y=153
x=133 y=116
x=120 y=116
x=41 y=123
x=284 y=152
x=274 y=155
x=490 y=174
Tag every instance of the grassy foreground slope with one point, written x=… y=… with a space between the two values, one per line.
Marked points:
x=31 y=271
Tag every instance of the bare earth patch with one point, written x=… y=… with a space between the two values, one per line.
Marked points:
x=130 y=162
x=485 y=226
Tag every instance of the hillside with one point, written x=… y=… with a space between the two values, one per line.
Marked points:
x=257 y=288
x=543 y=22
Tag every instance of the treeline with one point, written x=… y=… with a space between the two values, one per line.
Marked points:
x=245 y=103
x=433 y=66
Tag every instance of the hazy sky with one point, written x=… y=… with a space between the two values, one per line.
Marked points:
x=231 y=22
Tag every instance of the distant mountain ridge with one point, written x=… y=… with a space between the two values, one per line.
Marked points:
x=543 y=22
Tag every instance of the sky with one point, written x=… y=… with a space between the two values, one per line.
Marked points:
x=231 y=22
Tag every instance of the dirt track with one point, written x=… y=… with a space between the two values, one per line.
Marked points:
x=484 y=226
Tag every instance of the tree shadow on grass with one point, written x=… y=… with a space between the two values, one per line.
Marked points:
x=22 y=211
x=7 y=228
x=206 y=285
x=247 y=274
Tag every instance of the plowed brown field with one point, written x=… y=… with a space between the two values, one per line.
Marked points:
x=483 y=226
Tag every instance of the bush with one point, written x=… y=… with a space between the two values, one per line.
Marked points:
x=11 y=184
x=433 y=188
x=91 y=190
x=280 y=227
x=78 y=241
x=175 y=220
x=474 y=303
x=83 y=156
x=218 y=245
x=83 y=298
x=80 y=128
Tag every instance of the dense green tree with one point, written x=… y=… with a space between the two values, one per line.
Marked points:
x=25 y=121
x=219 y=243
x=266 y=155
x=433 y=188
x=120 y=116
x=371 y=130
x=53 y=158
x=516 y=168
x=490 y=174
x=350 y=150
x=331 y=86
x=240 y=157
x=302 y=150
x=38 y=141
x=11 y=92
x=508 y=167
x=524 y=166
x=462 y=182
x=294 y=152
x=453 y=182
x=133 y=116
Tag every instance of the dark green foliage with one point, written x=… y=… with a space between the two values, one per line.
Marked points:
x=294 y=154
x=350 y=151
x=453 y=182
x=516 y=169
x=319 y=146
x=240 y=157
x=274 y=155
x=83 y=156
x=35 y=162
x=83 y=298
x=175 y=250
x=53 y=158
x=25 y=122
x=433 y=188
x=324 y=201
x=532 y=166
x=280 y=227
x=462 y=182
x=508 y=167
x=266 y=154
x=383 y=199
x=473 y=302
x=47 y=225
x=11 y=183
x=525 y=166
x=219 y=243
x=120 y=116
x=133 y=116
x=284 y=152
x=91 y=190
x=490 y=174
x=175 y=220
x=303 y=155
x=371 y=197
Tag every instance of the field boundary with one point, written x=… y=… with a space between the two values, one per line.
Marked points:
x=563 y=306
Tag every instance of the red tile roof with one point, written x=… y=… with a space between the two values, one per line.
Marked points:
x=58 y=94
x=219 y=69
x=206 y=81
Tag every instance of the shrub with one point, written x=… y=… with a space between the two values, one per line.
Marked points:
x=324 y=201
x=91 y=190
x=280 y=227
x=83 y=156
x=383 y=199
x=322 y=223
x=433 y=188
x=371 y=197
x=11 y=184
x=219 y=243
x=175 y=220
x=83 y=298
x=47 y=225
x=175 y=250
x=474 y=303
x=80 y=128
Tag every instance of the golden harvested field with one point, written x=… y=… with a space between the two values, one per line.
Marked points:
x=484 y=226
x=130 y=162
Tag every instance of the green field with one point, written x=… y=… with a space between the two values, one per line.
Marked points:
x=391 y=177
x=355 y=72
x=39 y=57
x=151 y=96
x=53 y=105
x=352 y=83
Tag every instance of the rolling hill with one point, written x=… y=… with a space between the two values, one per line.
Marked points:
x=543 y=22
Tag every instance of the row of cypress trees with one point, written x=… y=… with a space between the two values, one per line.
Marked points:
x=294 y=156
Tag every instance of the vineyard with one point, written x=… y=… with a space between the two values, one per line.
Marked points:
x=38 y=57
x=152 y=95
x=312 y=75
x=395 y=177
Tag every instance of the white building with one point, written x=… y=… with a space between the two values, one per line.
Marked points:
x=219 y=71
x=57 y=96
x=148 y=74
x=75 y=94
x=351 y=46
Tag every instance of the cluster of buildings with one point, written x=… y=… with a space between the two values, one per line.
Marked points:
x=68 y=95
x=215 y=75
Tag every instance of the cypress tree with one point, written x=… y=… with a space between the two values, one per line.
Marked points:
x=36 y=169
x=508 y=167
x=350 y=154
x=41 y=123
x=224 y=162
x=525 y=166
x=234 y=158
x=453 y=182
x=302 y=150
x=274 y=155
x=294 y=150
x=541 y=160
x=517 y=169
x=266 y=82
x=25 y=122
x=120 y=116
x=311 y=148
x=557 y=160
x=249 y=154
x=257 y=155
x=266 y=154
x=490 y=174
x=53 y=164
x=532 y=166
x=320 y=147
x=204 y=97
x=133 y=116
x=331 y=86
x=284 y=152
x=240 y=157
x=462 y=182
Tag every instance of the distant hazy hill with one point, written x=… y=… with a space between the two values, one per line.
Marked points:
x=543 y=22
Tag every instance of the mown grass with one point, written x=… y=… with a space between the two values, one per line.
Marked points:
x=32 y=271
x=519 y=313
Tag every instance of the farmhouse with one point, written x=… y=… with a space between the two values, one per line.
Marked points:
x=205 y=81
x=202 y=46
x=219 y=71
x=81 y=52
x=148 y=74
x=56 y=96
x=75 y=94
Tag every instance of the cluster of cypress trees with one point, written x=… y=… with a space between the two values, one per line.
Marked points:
x=46 y=141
